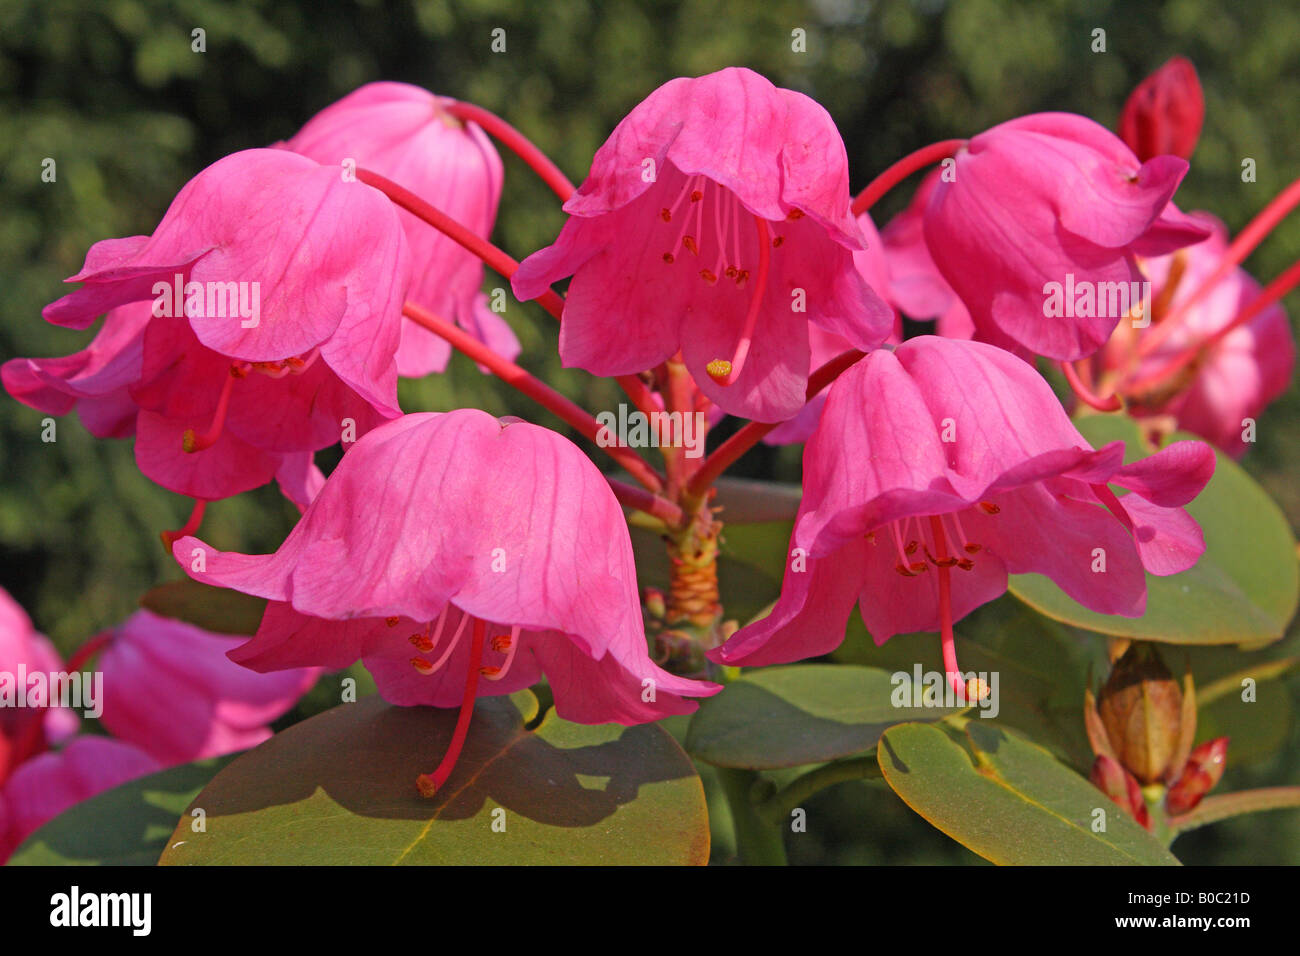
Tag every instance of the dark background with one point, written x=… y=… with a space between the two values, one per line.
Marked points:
x=112 y=91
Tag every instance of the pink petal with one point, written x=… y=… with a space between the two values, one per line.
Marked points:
x=47 y=785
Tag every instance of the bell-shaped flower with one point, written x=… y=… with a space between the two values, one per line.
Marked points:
x=715 y=221
x=939 y=468
x=258 y=324
x=460 y=555
x=170 y=690
x=405 y=134
x=1164 y=113
x=1039 y=228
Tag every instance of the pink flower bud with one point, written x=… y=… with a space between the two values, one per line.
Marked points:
x=1118 y=784
x=1203 y=770
x=1164 y=113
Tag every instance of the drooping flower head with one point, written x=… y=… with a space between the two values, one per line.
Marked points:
x=1165 y=112
x=939 y=468
x=460 y=555
x=1039 y=230
x=258 y=321
x=715 y=221
x=405 y=133
x=170 y=689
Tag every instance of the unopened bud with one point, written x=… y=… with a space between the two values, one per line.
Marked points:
x=1164 y=113
x=1118 y=784
x=1203 y=770
x=1141 y=709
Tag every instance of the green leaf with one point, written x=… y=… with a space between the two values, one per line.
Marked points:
x=126 y=826
x=1009 y=800
x=776 y=717
x=1244 y=589
x=339 y=788
x=205 y=606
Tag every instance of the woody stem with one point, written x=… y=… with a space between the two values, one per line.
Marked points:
x=528 y=384
x=493 y=257
x=895 y=174
x=517 y=143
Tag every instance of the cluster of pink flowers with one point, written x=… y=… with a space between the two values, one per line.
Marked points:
x=459 y=555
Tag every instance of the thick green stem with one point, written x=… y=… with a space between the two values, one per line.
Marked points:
x=757 y=842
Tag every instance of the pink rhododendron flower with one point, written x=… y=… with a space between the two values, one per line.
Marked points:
x=1165 y=112
x=228 y=397
x=170 y=689
x=715 y=221
x=939 y=468
x=1040 y=228
x=106 y=383
x=50 y=783
x=1239 y=375
x=451 y=547
x=405 y=133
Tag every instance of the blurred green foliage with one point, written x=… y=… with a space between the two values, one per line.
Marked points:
x=113 y=92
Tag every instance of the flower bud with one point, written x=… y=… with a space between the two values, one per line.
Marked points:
x=1118 y=784
x=1164 y=112
x=1141 y=709
x=1203 y=770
